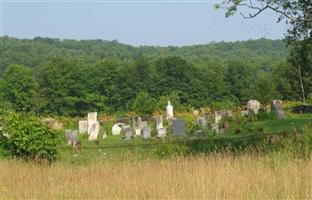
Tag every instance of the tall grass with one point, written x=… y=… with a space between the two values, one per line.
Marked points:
x=204 y=177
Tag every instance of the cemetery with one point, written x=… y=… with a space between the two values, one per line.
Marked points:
x=146 y=135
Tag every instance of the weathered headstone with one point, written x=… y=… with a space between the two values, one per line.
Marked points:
x=277 y=108
x=178 y=127
x=244 y=113
x=136 y=125
x=128 y=133
x=83 y=126
x=146 y=132
x=92 y=119
x=218 y=116
x=72 y=137
x=253 y=107
x=94 y=131
x=169 y=111
x=159 y=122
x=116 y=129
x=161 y=132
x=215 y=128
x=202 y=121
x=195 y=112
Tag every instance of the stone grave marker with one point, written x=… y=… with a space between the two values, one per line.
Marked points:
x=72 y=137
x=169 y=111
x=104 y=134
x=162 y=132
x=159 y=122
x=277 y=108
x=178 y=127
x=92 y=119
x=218 y=116
x=146 y=132
x=253 y=107
x=94 y=131
x=128 y=133
x=116 y=129
x=215 y=128
x=83 y=126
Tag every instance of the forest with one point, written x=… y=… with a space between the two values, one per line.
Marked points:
x=69 y=77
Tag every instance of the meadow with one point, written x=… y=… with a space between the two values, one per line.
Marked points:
x=218 y=176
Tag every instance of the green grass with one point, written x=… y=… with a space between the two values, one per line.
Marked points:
x=113 y=147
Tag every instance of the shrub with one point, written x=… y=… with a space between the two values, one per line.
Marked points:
x=144 y=104
x=28 y=138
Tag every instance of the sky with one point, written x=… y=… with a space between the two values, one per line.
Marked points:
x=152 y=22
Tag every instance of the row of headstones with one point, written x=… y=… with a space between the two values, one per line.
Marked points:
x=92 y=127
x=254 y=106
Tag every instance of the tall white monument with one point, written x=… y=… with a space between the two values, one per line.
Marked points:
x=169 y=111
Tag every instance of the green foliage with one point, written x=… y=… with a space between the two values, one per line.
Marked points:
x=264 y=89
x=20 y=87
x=144 y=104
x=28 y=138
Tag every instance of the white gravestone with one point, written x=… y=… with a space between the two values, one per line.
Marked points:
x=92 y=119
x=159 y=122
x=162 y=132
x=169 y=111
x=146 y=132
x=136 y=125
x=218 y=117
x=253 y=107
x=94 y=131
x=116 y=129
x=83 y=126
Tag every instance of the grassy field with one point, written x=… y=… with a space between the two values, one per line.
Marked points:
x=209 y=177
x=117 y=169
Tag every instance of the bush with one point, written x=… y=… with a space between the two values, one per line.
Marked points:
x=144 y=104
x=28 y=138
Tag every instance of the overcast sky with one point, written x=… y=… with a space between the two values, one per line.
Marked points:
x=136 y=23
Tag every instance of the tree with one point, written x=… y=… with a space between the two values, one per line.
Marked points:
x=144 y=104
x=20 y=87
x=264 y=89
x=239 y=80
x=297 y=13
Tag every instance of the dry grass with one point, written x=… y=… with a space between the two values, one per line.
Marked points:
x=212 y=177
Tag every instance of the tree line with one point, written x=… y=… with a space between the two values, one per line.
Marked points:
x=49 y=76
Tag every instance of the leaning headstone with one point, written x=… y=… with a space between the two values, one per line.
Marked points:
x=83 y=126
x=161 y=132
x=128 y=133
x=94 y=131
x=159 y=122
x=116 y=129
x=92 y=119
x=146 y=132
x=218 y=117
x=169 y=111
x=253 y=107
x=277 y=108
x=178 y=127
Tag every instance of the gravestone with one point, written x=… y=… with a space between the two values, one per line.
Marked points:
x=161 y=132
x=277 y=108
x=53 y=123
x=92 y=119
x=218 y=117
x=104 y=134
x=128 y=133
x=215 y=128
x=83 y=126
x=195 y=112
x=169 y=111
x=146 y=132
x=94 y=131
x=116 y=129
x=178 y=127
x=72 y=137
x=159 y=122
x=253 y=107
x=202 y=121
x=136 y=125
x=244 y=113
